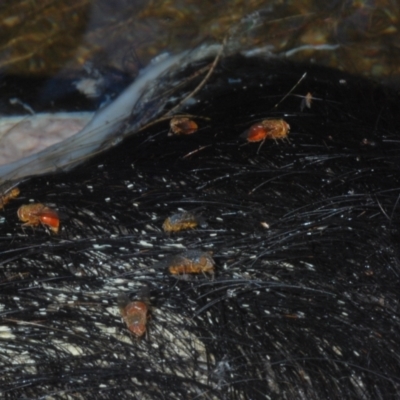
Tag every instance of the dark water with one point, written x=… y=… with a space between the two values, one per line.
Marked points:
x=44 y=38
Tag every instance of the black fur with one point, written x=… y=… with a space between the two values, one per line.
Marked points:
x=305 y=235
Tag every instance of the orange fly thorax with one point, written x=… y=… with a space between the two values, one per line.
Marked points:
x=135 y=317
x=182 y=126
x=37 y=213
x=5 y=198
x=192 y=262
x=180 y=222
x=267 y=129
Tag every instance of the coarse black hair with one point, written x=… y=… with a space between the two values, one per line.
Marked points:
x=304 y=232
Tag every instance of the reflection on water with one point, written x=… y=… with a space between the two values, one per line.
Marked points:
x=44 y=37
